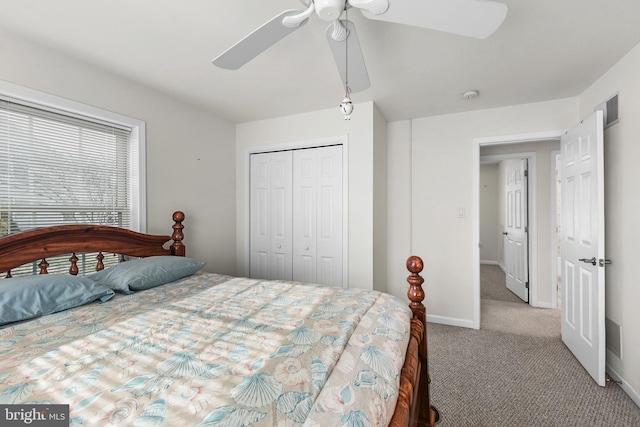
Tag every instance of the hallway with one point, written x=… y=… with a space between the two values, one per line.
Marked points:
x=499 y=307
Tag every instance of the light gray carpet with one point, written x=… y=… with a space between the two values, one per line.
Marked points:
x=492 y=285
x=515 y=371
x=519 y=318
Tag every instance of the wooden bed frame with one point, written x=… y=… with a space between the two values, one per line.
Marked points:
x=413 y=407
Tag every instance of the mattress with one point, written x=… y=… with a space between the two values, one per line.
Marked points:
x=214 y=350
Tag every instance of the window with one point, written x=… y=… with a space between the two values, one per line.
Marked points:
x=62 y=162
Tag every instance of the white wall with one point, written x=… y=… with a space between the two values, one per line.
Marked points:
x=380 y=194
x=190 y=152
x=399 y=242
x=622 y=209
x=360 y=153
x=490 y=226
x=442 y=159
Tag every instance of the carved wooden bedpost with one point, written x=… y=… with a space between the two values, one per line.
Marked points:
x=415 y=292
x=73 y=269
x=177 y=247
x=426 y=415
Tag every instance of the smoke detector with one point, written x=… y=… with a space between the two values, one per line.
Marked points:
x=470 y=94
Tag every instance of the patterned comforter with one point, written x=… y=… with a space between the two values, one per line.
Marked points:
x=211 y=350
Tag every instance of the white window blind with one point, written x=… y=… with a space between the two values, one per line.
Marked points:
x=58 y=168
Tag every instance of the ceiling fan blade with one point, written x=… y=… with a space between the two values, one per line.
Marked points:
x=471 y=18
x=358 y=76
x=256 y=42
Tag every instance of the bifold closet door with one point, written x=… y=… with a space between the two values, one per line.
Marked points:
x=317 y=215
x=271 y=215
x=296 y=215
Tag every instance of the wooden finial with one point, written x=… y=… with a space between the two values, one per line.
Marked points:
x=177 y=247
x=415 y=292
x=43 y=266
x=178 y=216
x=100 y=265
x=73 y=269
x=415 y=264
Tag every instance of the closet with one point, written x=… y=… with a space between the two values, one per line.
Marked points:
x=295 y=226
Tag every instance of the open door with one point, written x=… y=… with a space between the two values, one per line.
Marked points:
x=583 y=260
x=516 y=246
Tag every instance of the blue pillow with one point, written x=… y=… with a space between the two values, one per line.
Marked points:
x=27 y=297
x=145 y=273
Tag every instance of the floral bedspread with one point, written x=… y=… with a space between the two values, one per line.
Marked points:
x=211 y=350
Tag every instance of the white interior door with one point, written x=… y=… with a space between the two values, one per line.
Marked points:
x=305 y=206
x=317 y=215
x=270 y=242
x=260 y=216
x=281 y=215
x=516 y=229
x=583 y=260
x=330 y=214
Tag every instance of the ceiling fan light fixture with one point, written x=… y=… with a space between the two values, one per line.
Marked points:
x=346 y=106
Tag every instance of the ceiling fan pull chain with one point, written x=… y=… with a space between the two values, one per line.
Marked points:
x=340 y=32
x=374 y=6
x=295 y=20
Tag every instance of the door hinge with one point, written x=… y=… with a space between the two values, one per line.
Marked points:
x=526 y=229
x=526 y=172
x=526 y=285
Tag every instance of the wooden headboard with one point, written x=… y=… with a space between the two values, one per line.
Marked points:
x=39 y=244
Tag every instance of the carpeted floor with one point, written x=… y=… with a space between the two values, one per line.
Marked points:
x=515 y=371
x=492 y=285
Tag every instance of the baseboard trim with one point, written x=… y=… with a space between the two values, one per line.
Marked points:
x=489 y=262
x=624 y=385
x=451 y=321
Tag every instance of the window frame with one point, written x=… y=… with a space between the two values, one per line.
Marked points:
x=20 y=94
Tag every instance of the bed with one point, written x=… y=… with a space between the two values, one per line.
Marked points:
x=156 y=341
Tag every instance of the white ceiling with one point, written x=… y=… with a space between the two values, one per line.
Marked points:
x=546 y=49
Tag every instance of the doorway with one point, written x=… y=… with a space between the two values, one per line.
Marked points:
x=582 y=212
x=504 y=218
x=536 y=147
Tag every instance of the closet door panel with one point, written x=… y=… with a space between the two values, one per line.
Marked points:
x=304 y=215
x=270 y=230
x=317 y=207
x=260 y=218
x=329 y=215
x=281 y=215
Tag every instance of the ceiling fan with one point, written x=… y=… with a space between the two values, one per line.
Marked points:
x=471 y=18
